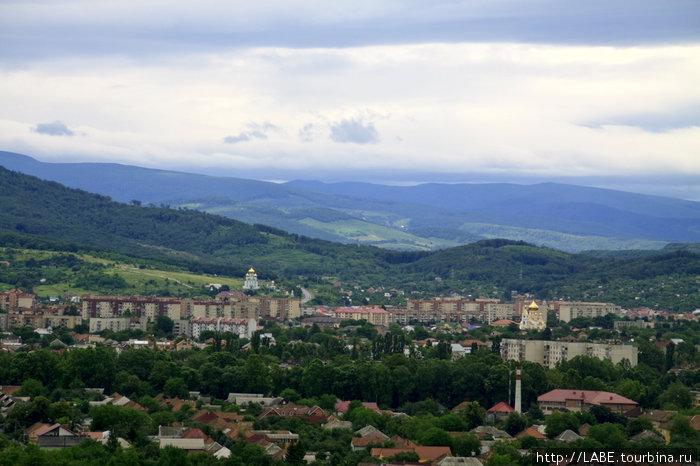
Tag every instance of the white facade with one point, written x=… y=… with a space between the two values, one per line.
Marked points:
x=244 y=328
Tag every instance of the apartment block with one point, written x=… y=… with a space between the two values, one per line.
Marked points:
x=117 y=324
x=39 y=318
x=571 y=310
x=16 y=299
x=372 y=315
x=244 y=328
x=452 y=310
x=549 y=353
x=110 y=306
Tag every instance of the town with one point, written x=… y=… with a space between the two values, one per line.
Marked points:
x=248 y=377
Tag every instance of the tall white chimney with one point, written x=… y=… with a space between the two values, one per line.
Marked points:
x=518 y=391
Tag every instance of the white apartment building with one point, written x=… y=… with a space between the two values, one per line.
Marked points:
x=549 y=353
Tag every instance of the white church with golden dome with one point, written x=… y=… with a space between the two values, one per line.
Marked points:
x=533 y=318
x=251 y=280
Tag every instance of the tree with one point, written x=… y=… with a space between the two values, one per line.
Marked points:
x=289 y=394
x=163 y=326
x=467 y=444
x=436 y=437
x=557 y=423
x=473 y=414
x=676 y=396
x=32 y=388
x=608 y=434
x=515 y=423
x=295 y=454
x=176 y=387
x=682 y=433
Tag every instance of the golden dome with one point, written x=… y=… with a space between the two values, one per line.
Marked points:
x=533 y=305
x=251 y=270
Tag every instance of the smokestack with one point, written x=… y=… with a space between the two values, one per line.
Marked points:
x=518 y=391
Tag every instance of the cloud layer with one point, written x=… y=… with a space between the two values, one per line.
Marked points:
x=589 y=89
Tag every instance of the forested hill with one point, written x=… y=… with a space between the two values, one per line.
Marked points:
x=36 y=212
x=47 y=209
x=423 y=217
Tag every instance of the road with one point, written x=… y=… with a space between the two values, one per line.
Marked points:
x=307 y=295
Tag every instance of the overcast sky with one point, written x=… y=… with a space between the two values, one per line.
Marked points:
x=589 y=92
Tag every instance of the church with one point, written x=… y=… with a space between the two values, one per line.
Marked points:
x=533 y=318
x=251 y=280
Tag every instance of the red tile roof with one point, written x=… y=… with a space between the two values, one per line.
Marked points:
x=195 y=433
x=591 y=397
x=531 y=432
x=500 y=407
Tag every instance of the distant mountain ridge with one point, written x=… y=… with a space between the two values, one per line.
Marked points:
x=422 y=217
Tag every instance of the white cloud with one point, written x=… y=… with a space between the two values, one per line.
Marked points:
x=444 y=107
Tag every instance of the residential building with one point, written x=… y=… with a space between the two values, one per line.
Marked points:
x=116 y=324
x=571 y=310
x=372 y=315
x=39 y=318
x=583 y=400
x=452 y=310
x=549 y=353
x=623 y=324
x=16 y=299
x=54 y=436
x=130 y=306
x=244 y=328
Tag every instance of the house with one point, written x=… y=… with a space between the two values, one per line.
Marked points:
x=460 y=461
x=531 y=432
x=335 y=423
x=244 y=398
x=498 y=412
x=360 y=443
x=54 y=436
x=490 y=431
x=568 y=436
x=583 y=400
x=372 y=432
x=426 y=454
x=341 y=407
x=313 y=414
x=280 y=438
x=190 y=439
x=648 y=435
x=176 y=404
x=661 y=420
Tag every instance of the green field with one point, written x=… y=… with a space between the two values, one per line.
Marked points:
x=50 y=276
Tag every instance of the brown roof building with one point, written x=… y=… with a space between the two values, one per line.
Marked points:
x=583 y=400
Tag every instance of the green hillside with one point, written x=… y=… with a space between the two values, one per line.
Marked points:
x=42 y=215
x=428 y=216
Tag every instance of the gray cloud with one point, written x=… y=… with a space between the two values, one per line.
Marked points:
x=306 y=133
x=53 y=129
x=354 y=131
x=42 y=28
x=655 y=122
x=255 y=131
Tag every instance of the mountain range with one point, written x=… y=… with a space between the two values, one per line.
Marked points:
x=47 y=216
x=423 y=217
